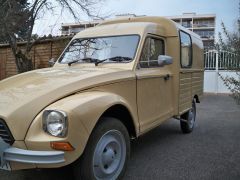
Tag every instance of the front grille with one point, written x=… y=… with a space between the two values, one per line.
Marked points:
x=5 y=133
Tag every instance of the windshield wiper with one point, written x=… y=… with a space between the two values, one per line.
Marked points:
x=115 y=58
x=97 y=61
x=84 y=59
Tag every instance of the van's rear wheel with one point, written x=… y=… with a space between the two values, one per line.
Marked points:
x=190 y=117
x=107 y=152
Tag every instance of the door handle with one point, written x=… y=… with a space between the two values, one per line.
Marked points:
x=166 y=77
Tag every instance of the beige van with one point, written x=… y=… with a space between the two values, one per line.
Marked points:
x=112 y=83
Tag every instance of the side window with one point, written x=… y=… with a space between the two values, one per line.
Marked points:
x=153 y=47
x=186 y=50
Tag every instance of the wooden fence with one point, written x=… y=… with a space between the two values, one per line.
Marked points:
x=41 y=53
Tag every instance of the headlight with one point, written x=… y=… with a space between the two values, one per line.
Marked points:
x=55 y=123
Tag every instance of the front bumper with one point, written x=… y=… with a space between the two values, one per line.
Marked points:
x=12 y=154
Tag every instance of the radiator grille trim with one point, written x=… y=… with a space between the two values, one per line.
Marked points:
x=5 y=133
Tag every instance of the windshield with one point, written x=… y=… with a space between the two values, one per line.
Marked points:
x=103 y=48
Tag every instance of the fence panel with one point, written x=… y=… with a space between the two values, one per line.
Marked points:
x=215 y=63
x=222 y=60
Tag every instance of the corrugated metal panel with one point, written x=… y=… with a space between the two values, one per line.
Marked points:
x=191 y=83
x=185 y=91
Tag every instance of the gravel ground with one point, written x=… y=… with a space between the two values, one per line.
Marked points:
x=211 y=152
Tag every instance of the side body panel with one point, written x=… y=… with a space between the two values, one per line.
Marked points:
x=197 y=83
x=190 y=84
x=191 y=79
x=154 y=97
x=185 y=91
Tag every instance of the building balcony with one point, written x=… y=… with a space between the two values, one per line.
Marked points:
x=187 y=25
x=203 y=25
x=203 y=28
x=207 y=38
x=65 y=32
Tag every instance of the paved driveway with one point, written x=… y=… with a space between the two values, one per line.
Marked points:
x=212 y=151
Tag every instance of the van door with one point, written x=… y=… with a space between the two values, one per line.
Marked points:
x=154 y=86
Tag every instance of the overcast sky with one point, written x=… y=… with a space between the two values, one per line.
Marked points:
x=225 y=10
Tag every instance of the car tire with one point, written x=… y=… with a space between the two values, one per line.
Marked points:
x=107 y=152
x=190 y=117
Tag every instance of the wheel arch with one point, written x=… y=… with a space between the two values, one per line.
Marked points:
x=123 y=114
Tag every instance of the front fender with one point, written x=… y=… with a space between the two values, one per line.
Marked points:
x=84 y=110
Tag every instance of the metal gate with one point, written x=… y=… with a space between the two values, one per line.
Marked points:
x=219 y=62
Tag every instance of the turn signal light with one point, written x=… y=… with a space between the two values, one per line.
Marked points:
x=64 y=146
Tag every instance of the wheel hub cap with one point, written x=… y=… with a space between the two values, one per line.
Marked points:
x=109 y=156
x=191 y=118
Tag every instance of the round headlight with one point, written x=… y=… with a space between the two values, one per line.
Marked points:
x=55 y=123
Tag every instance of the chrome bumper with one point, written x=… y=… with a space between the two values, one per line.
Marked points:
x=8 y=154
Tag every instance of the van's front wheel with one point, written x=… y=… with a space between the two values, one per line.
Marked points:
x=107 y=152
x=190 y=117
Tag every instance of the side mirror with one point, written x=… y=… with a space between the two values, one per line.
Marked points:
x=51 y=62
x=164 y=60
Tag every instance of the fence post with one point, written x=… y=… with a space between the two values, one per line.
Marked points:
x=217 y=71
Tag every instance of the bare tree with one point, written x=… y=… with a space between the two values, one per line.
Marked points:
x=18 y=16
x=230 y=41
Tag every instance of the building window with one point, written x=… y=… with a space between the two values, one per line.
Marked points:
x=153 y=47
x=204 y=23
x=209 y=44
x=186 y=49
x=205 y=33
x=187 y=24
